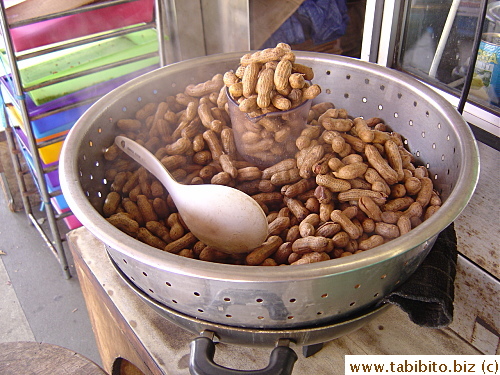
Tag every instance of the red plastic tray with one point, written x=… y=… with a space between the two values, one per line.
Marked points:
x=81 y=24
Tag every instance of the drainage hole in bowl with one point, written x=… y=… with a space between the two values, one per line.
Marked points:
x=382 y=87
x=124 y=109
x=328 y=72
x=357 y=286
x=367 y=81
x=144 y=273
x=200 y=310
x=346 y=95
x=139 y=99
x=319 y=313
x=124 y=261
x=174 y=301
x=293 y=300
x=364 y=99
x=259 y=300
x=196 y=294
x=352 y=303
x=260 y=317
x=400 y=95
x=151 y=290
x=415 y=104
x=229 y=316
x=348 y=76
x=227 y=299
x=167 y=283
x=380 y=107
x=376 y=295
x=290 y=317
x=396 y=115
x=324 y=295
x=383 y=276
x=328 y=91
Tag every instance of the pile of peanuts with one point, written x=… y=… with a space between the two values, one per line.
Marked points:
x=265 y=89
x=270 y=81
x=350 y=187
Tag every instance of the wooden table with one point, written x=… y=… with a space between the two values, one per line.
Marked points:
x=125 y=327
x=18 y=358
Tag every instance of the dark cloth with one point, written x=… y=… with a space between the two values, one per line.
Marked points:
x=427 y=296
x=321 y=21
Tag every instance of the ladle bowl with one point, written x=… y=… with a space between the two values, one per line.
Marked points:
x=222 y=217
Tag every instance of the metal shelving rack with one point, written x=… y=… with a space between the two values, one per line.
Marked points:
x=162 y=21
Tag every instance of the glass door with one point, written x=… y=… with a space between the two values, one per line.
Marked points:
x=436 y=41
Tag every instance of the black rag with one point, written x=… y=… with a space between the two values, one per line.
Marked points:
x=427 y=296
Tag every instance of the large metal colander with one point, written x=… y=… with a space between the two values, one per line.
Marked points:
x=287 y=296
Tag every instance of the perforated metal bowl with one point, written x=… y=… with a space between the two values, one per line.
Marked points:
x=290 y=296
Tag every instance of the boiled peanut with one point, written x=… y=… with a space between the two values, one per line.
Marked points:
x=362 y=130
x=111 y=203
x=146 y=208
x=149 y=238
x=312 y=244
x=278 y=225
x=380 y=164
x=182 y=243
x=338 y=216
x=371 y=242
x=351 y=171
x=312 y=257
x=125 y=223
x=264 y=251
x=264 y=87
x=282 y=74
x=334 y=184
x=387 y=230
x=425 y=192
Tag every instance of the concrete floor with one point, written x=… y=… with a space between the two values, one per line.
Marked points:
x=37 y=303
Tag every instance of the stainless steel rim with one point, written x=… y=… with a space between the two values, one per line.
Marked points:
x=261 y=337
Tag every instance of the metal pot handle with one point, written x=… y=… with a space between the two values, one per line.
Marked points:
x=201 y=361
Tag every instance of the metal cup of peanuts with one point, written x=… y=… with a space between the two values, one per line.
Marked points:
x=269 y=97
